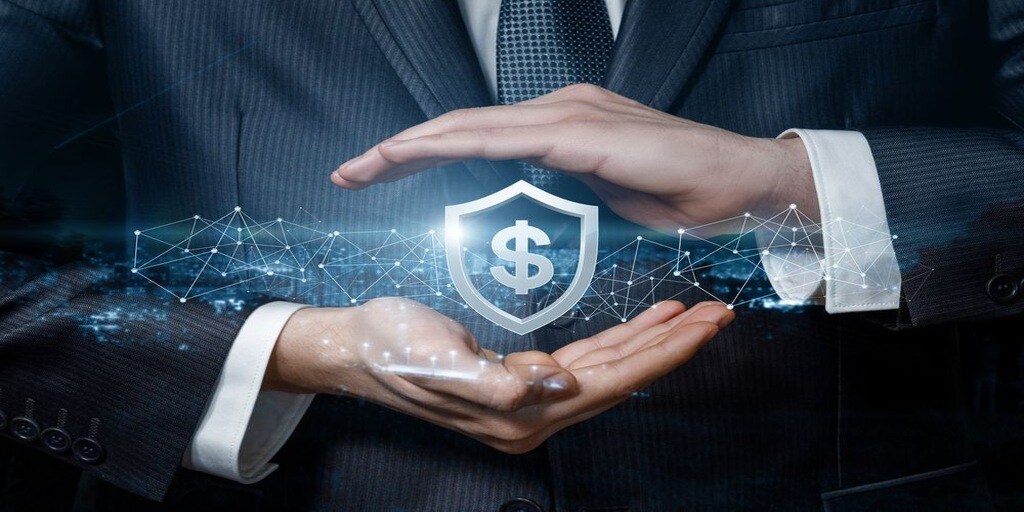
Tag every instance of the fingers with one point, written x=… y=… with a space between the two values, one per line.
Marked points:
x=521 y=114
x=394 y=159
x=607 y=384
x=519 y=380
x=713 y=312
x=546 y=380
x=549 y=108
x=398 y=158
x=656 y=314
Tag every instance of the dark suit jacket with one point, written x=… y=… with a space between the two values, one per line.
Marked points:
x=218 y=103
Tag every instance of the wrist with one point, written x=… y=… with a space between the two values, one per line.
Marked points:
x=310 y=352
x=788 y=179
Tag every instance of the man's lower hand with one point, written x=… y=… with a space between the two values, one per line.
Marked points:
x=400 y=354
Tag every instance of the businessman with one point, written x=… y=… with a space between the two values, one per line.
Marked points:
x=853 y=406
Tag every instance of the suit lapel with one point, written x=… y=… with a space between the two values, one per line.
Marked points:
x=427 y=43
x=659 y=46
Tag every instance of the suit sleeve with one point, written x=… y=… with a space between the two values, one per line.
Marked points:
x=955 y=198
x=111 y=382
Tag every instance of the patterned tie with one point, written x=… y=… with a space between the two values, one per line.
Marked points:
x=544 y=45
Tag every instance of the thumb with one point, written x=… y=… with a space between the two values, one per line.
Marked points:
x=519 y=380
x=544 y=378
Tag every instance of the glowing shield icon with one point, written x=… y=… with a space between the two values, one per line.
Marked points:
x=521 y=233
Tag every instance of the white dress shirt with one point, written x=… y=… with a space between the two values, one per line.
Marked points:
x=244 y=427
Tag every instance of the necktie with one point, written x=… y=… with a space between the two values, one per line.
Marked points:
x=544 y=45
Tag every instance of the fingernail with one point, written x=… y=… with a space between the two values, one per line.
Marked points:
x=556 y=383
x=388 y=143
x=348 y=166
x=725 y=321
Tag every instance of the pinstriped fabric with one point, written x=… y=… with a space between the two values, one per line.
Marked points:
x=659 y=46
x=963 y=240
x=146 y=383
x=755 y=420
x=1007 y=23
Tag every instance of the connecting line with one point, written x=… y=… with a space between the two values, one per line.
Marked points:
x=356 y=272
x=157 y=94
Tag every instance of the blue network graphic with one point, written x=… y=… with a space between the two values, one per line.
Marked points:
x=200 y=258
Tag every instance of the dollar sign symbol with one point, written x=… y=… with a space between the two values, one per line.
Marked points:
x=521 y=281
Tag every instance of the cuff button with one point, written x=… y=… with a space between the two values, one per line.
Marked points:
x=56 y=440
x=1002 y=289
x=520 y=505
x=24 y=429
x=88 y=450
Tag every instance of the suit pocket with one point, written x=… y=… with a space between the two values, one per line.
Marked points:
x=960 y=488
x=802 y=21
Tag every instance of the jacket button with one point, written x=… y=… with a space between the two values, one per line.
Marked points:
x=520 y=505
x=1002 y=289
x=56 y=440
x=87 y=450
x=3 y=420
x=567 y=321
x=25 y=429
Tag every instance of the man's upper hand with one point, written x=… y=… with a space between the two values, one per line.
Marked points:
x=403 y=355
x=650 y=167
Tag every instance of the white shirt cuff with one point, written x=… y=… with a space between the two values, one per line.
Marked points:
x=244 y=427
x=850 y=254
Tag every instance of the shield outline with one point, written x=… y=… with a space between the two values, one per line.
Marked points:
x=588 y=215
